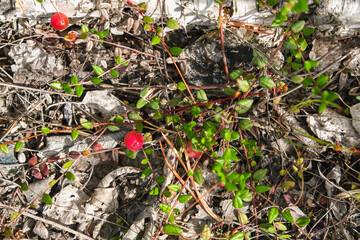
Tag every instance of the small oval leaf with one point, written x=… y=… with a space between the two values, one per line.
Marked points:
x=47 y=199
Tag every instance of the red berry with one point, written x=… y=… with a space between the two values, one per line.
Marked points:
x=59 y=21
x=191 y=152
x=134 y=140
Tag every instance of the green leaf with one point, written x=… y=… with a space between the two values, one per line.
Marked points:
x=166 y=208
x=301 y=6
x=24 y=187
x=134 y=116
x=288 y=184
x=96 y=80
x=236 y=74
x=198 y=176
x=155 y=40
x=146 y=172
x=14 y=215
x=195 y=111
x=237 y=202
x=259 y=174
x=70 y=176
x=74 y=134
x=158 y=115
x=160 y=179
x=118 y=59
x=144 y=92
x=85 y=123
x=322 y=107
x=4 y=149
x=321 y=81
x=290 y=45
x=243 y=85
x=225 y=134
x=206 y=233
x=271 y=2
x=40 y=1
x=237 y=236
x=97 y=69
x=148 y=19
x=245 y=124
x=243 y=106
x=266 y=82
x=173 y=24
x=287 y=215
x=296 y=79
x=167 y=194
x=298 y=26
x=140 y=103
x=303 y=221
x=47 y=199
x=280 y=226
x=174 y=187
x=184 y=198
x=154 y=192
x=266 y=227
x=262 y=188
x=273 y=214
x=56 y=85
x=230 y=91
x=144 y=161
x=84 y=29
x=154 y=105
x=284 y=236
x=67 y=164
x=308 y=31
x=172 y=229
x=7 y=230
x=201 y=96
x=231 y=186
x=181 y=86
x=74 y=80
x=139 y=127
x=114 y=73
x=175 y=51
x=235 y=136
x=113 y=128
x=174 y=102
x=130 y=154
x=79 y=89
x=45 y=130
x=18 y=146
x=260 y=59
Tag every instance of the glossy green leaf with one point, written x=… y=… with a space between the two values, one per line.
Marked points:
x=154 y=191
x=174 y=187
x=114 y=73
x=259 y=174
x=85 y=123
x=266 y=82
x=155 y=40
x=148 y=19
x=184 y=198
x=18 y=146
x=243 y=106
x=47 y=199
x=172 y=229
x=74 y=134
x=45 y=130
x=140 y=103
x=154 y=105
x=134 y=116
x=266 y=227
x=24 y=187
x=300 y=6
x=198 y=176
x=284 y=236
x=195 y=111
x=230 y=91
x=113 y=128
x=296 y=79
x=74 y=80
x=206 y=233
x=56 y=85
x=67 y=164
x=4 y=149
x=97 y=69
x=321 y=81
x=243 y=85
x=303 y=221
x=287 y=215
x=236 y=74
x=280 y=226
x=225 y=134
x=245 y=124
x=322 y=107
x=201 y=96
x=158 y=115
x=144 y=92
x=146 y=172
x=175 y=51
x=237 y=202
x=7 y=230
x=130 y=154
x=166 y=208
x=298 y=26
x=160 y=179
x=271 y=3
x=118 y=59
x=273 y=214
x=84 y=29
x=237 y=236
x=79 y=89
x=40 y=1
x=308 y=31
x=173 y=24
x=288 y=184
x=70 y=176
x=96 y=80
x=139 y=127
x=181 y=86
x=290 y=45
x=262 y=188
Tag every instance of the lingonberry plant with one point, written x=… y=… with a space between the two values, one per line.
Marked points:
x=59 y=21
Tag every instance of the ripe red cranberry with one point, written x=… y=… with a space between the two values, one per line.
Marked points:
x=134 y=140
x=59 y=21
x=191 y=152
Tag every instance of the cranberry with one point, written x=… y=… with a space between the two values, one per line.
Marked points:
x=59 y=21
x=134 y=140
x=191 y=152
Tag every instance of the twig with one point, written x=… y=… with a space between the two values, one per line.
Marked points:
x=222 y=45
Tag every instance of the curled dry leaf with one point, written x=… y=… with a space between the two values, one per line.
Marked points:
x=129 y=25
x=98 y=147
x=53 y=159
x=36 y=173
x=33 y=160
x=44 y=169
x=89 y=45
x=74 y=154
